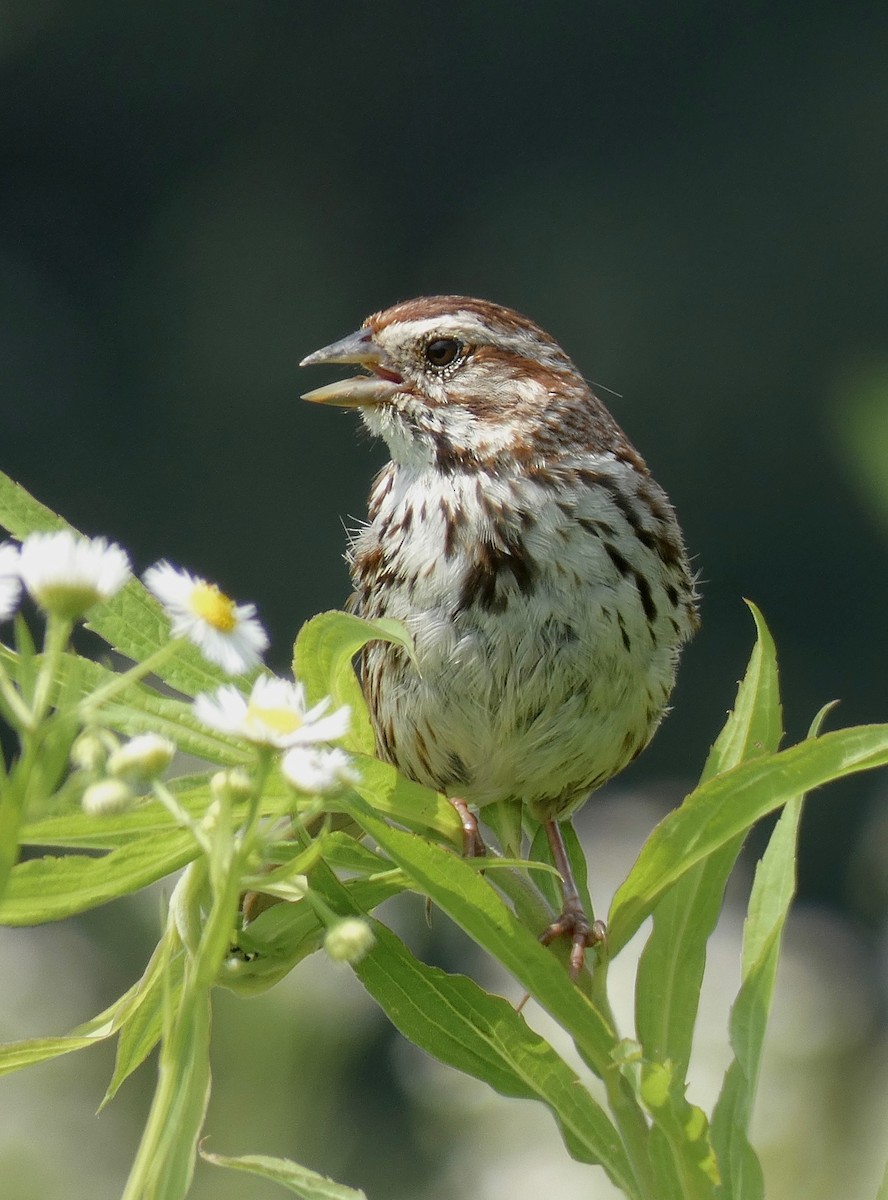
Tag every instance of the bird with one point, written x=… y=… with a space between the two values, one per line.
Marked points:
x=538 y=566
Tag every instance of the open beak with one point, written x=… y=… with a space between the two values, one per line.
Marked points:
x=361 y=390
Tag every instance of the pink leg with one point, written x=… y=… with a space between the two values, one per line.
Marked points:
x=473 y=846
x=573 y=922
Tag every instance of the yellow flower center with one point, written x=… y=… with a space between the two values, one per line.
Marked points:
x=214 y=607
x=278 y=720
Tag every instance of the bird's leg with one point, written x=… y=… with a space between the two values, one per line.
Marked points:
x=573 y=922
x=473 y=845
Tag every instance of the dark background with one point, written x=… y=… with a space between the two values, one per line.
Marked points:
x=690 y=196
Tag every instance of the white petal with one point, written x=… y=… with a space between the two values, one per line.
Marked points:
x=326 y=729
x=315 y=770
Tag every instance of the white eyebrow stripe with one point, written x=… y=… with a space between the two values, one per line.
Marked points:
x=471 y=328
x=462 y=322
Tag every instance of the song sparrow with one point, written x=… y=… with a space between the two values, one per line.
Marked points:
x=538 y=566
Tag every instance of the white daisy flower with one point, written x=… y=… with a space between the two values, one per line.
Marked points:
x=67 y=574
x=226 y=633
x=274 y=714
x=10 y=580
x=317 y=770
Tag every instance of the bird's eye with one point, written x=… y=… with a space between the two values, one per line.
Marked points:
x=442 y=351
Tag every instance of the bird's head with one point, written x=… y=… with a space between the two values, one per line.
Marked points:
x=463 y=383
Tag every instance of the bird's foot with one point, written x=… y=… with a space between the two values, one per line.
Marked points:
x=574 y=923
x=473 y=844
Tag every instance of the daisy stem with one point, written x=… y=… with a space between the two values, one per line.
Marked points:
x=121 y=682
x=58 y=632
x=180 y=815
x=21 y=716
x=164 y=1161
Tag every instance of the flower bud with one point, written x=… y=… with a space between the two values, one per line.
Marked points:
x=142 y=759
x=231 y=785
x=90 y=750
x=349 y=940
x=106 y=798
x=210 y=820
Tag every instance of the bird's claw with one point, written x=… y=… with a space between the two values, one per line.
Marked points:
x=574 y=923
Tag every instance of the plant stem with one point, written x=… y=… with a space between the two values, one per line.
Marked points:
x=121 y=682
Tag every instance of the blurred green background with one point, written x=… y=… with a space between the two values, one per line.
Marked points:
x=691 y=197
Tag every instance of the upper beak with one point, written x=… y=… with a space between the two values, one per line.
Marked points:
x=360 y=390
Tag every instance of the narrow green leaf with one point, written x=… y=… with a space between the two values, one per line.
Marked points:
x=161 y=984
x=470 y=901
x=48 y=889
x=755 y=726
x=772 y=893
x=21 y=514
x=458 y=1023
x=681 y=1149
x=670 y=972
x=408 y=803
x=79 y=830
x=164 y=1163
x=540 y=851
x=300 y=1180
x=728 y=805
x=16 y=1055
x=322 y=660
x=883 y=1186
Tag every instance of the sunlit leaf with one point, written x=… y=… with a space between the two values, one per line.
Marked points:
x=772 y=893
x=470 y=900
x=322 y=660
x=16 y=1055
x=457 y=1022
x=300 y=1180
x=160 y=984
x=670 y=972
x=48 y=889
x=731 y=803
x=419 y=808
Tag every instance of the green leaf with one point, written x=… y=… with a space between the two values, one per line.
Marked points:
x=79 y=830
x=670 y=972
x=772 y=893
x=48 y=889
x=470 y=901
x=280 y=937
x=730 y=804
x=304 y=1182
x=457 y=1022
x=161 y=984
x=755 y=726
x=408 y=803
x=322 y=661
x=681 y=1149
x=16 y=1055
x=164 y=1163
x=883 y=1186
x=132 y=622
x=21 y=514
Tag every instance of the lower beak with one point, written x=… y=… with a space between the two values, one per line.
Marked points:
x=361 y=390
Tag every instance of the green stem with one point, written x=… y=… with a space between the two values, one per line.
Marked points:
x=19 y=713
x=58 y=632
x=121 y=682
x=165 y=1158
